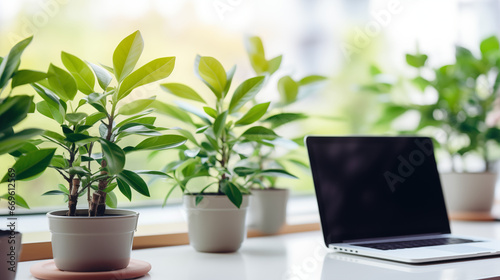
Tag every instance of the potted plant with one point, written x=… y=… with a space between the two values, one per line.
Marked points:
x=92 y=160
x=464 y=95
x=269 y=202
x=212 y=172
x=14 y=109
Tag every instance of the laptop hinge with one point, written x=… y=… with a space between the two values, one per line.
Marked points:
x=392 y=237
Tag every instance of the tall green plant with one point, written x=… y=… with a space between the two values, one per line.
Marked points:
x=290 y=90
x=14 y=109
x=465 y=92
x=226 y=124
x=111 y=121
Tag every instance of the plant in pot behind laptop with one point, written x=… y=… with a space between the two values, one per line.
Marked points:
x=463 y=95
x=269 y=203
x=90 y=153
x=211 y=171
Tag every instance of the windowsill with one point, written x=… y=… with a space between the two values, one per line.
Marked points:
x=160 y=227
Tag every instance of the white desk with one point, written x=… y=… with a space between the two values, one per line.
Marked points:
x=303 y=256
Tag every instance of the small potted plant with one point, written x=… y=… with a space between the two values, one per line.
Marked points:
x=14 y=109
x=269 y=202
x=212 y=172
x=91 y=159
x=463 y=95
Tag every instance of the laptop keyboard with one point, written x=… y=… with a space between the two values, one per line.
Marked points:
x=415 y=243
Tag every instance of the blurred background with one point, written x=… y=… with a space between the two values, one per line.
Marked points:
x=344 y=40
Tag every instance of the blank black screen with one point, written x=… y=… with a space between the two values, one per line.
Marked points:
x=370 y=187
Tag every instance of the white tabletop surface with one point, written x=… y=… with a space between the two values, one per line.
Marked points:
x=302 y=256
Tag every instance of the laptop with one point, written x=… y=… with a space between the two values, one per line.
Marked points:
x=381 y=197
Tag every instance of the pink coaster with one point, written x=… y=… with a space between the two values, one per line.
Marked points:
x=47 y=270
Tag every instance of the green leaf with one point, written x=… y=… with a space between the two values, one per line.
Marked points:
x=63 y=188
x=17 y=199
x=82 y=73
x=153 y=71
x=172 y=111
x=95 y=117
x=50 y=112
x=219 y=124
x=111 y=200
x=244 y=171
x=212 y=73
x=161 y=142
x=254 y=114
x=258 y=133
x=23 y=77
x=417 y=60
x=256 y=54
x=62 y=83
x=11 y=62
x=124 y=188
x=198 y=199
x=59 y=161
x=13 y=110
x=152 y=173
x=31 y=164
x=136 y=106
x=114 y=156
x=421 y=83
x=135 y=181
x=75 y=118
x=489 y=44
x=127 y=54
x=230 y=75
x=193 y=110
x=54 y=192
x=274 y=64
x=277 y=173
x=80 y=138
x=232 y=192
x=245 y=92
x=182 y=91
x=311 y=80
x=288 y=89
x=210 y=111
x=103 y=76
x=284 y=118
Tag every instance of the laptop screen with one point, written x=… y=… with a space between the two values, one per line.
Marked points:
x=374 y=187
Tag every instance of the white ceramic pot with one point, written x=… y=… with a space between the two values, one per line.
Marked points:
x=10 y=246
x=215 y=225
x=267 y=212
x=469 y=192
x=82 y=243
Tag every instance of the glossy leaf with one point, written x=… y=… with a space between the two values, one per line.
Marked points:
x=161 y=142
x=416 y=61
x=75 y=118
x=258 y=133
x=219 y=124
x=489 y=44
x=232 y=192
x=172 y=111
x=114 y=156
x=48 y=111
x=124 y=188
x=19 y=200
x=254 y=114
x=245 y=92
x=135 y=181
x=311 y=80
x=10 y=143
x=103 y=76
x=153 y=71
x=23 y=77
x=274 y=64
x=111 y=200
x=277 y=173
x=10 y=63
x=210 y=111
x=95 y=117
x=31 y=164
x=182 y=91
x=212 y=73
x=256 y=54
x=82 y=73
x=288 y=89
x=13 y=110
x=127 y=54
x=136 y=106
x=284 y=118
x=62 y=83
